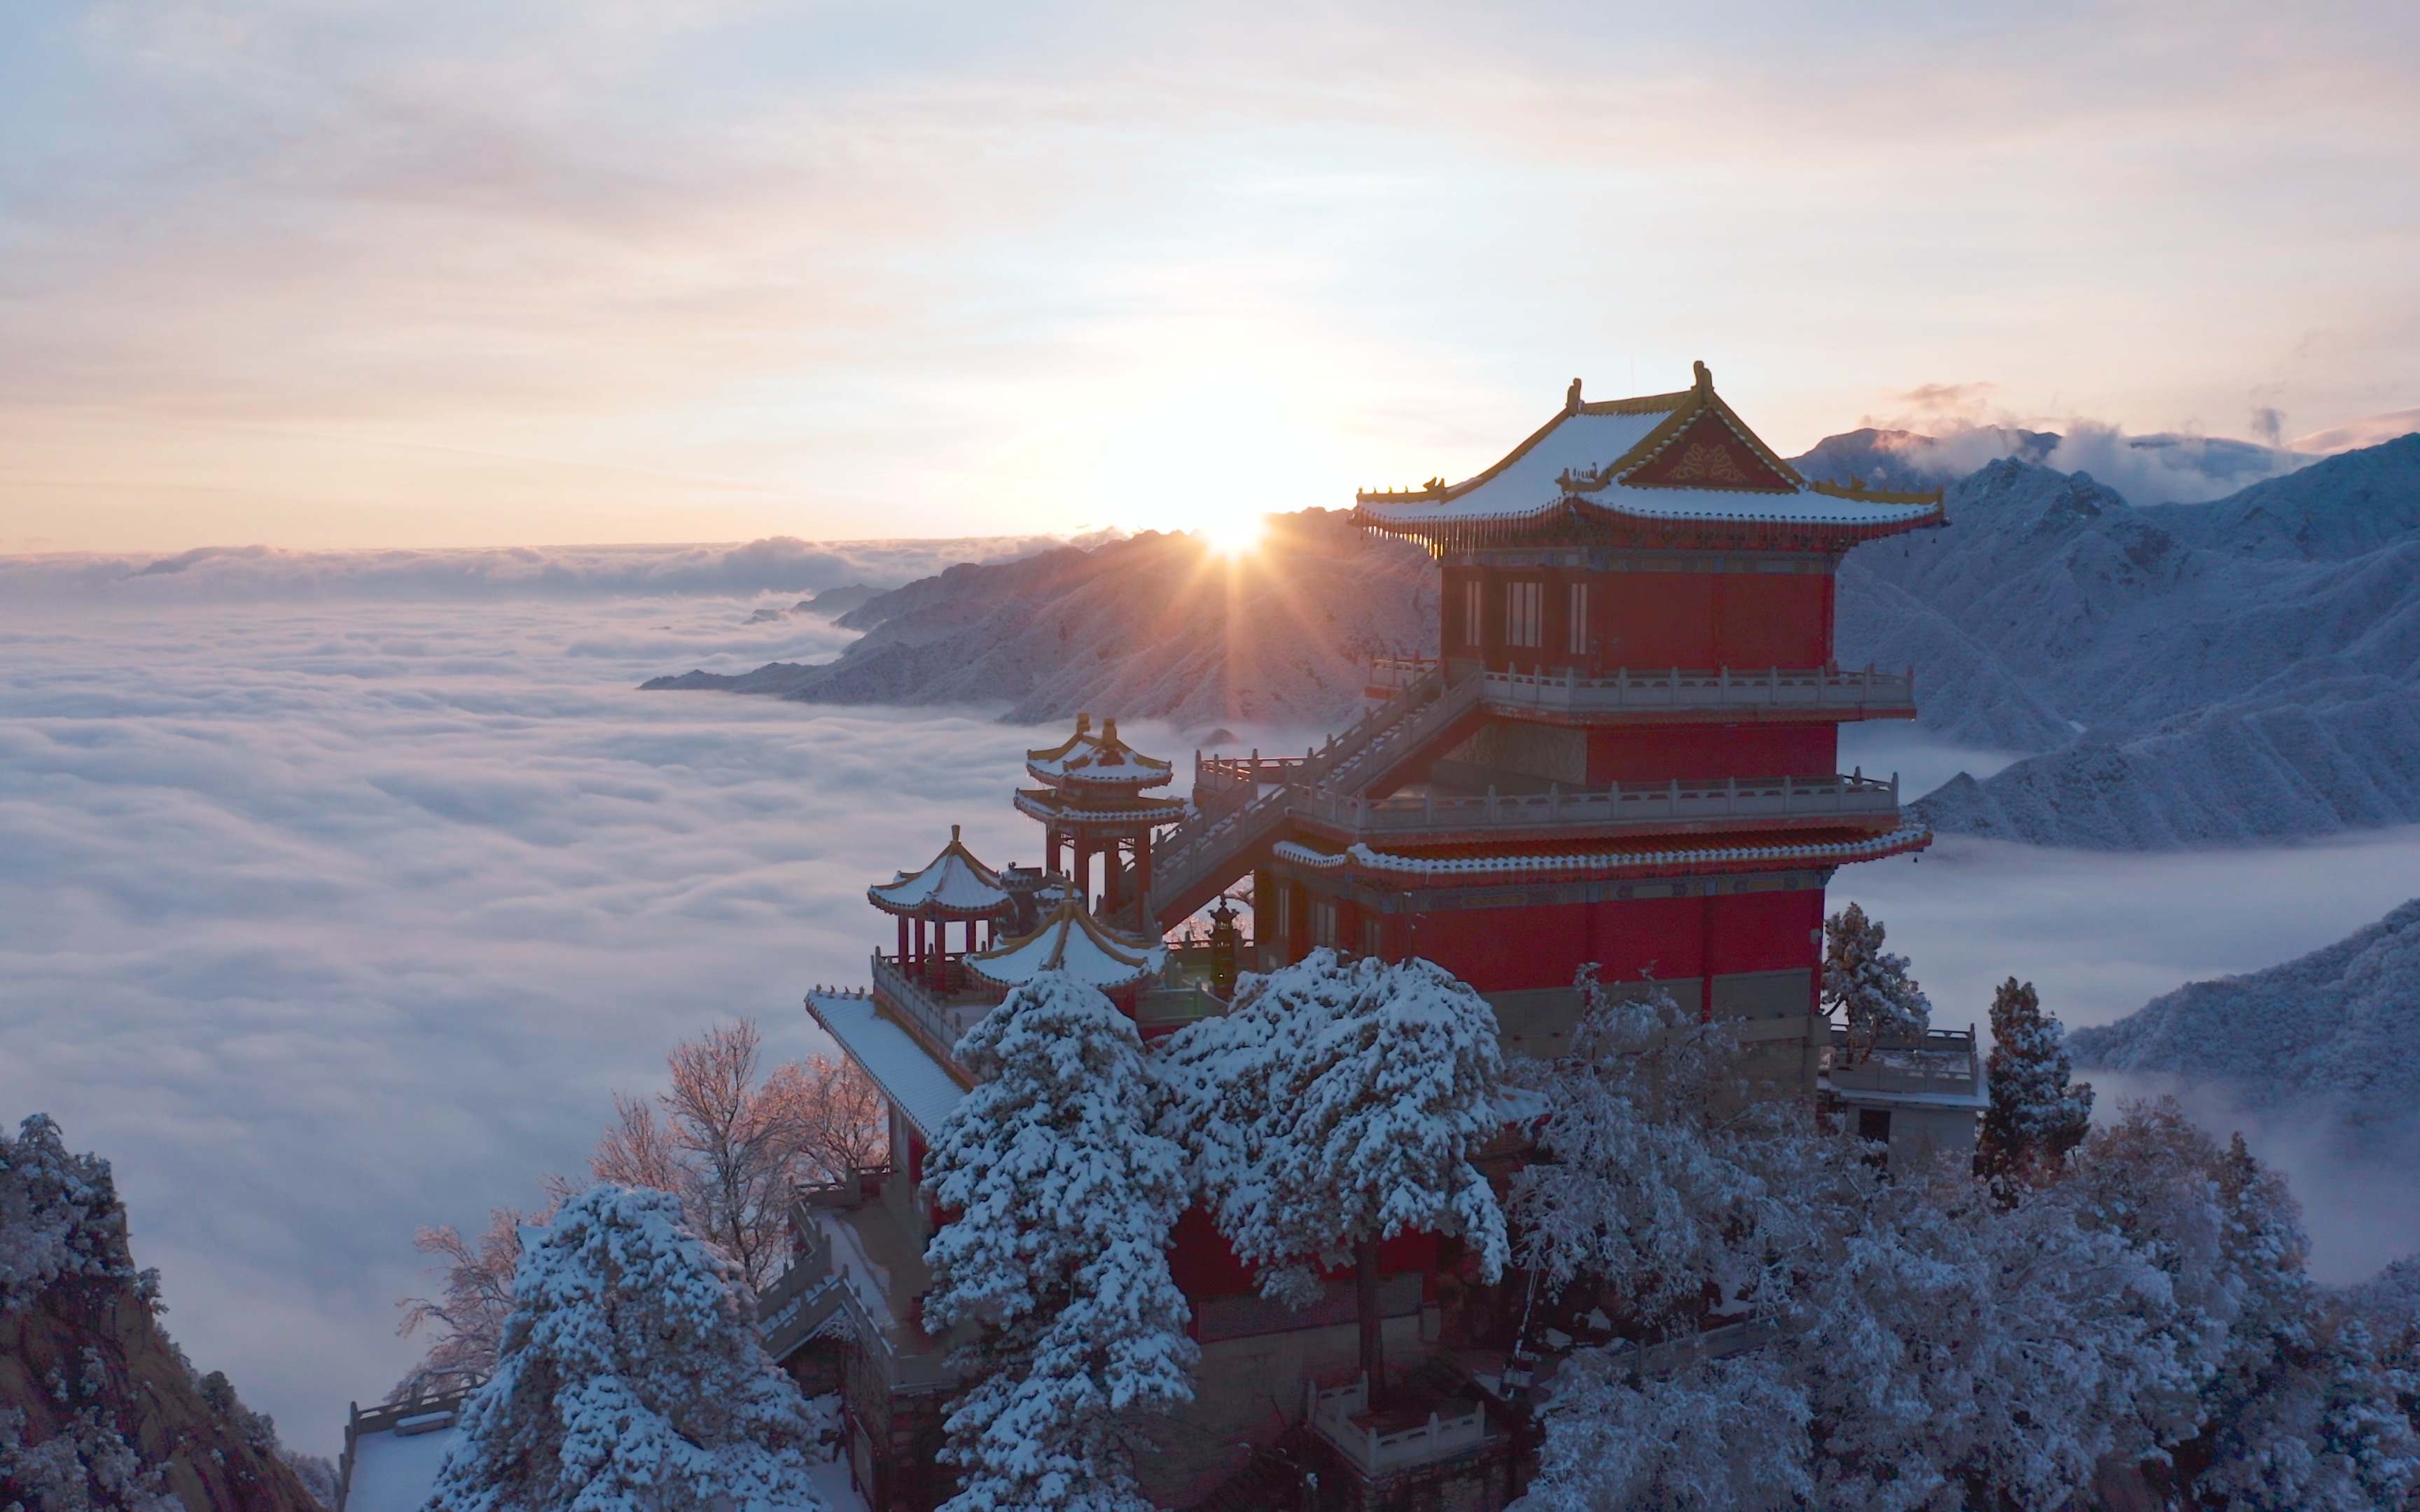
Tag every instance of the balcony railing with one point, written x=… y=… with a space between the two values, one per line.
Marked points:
x=1628 y=690
x=803 y=1298
x=943 y=1019
x=1943 y=1062
x=901 y=1369
x=1622 y=803
x=1375 y=1451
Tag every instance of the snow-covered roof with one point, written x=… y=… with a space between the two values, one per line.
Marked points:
x=1097 y=759
x=1071 y=941
x=1052 y=807
x=954 y=885
x=1667 y=458
x=917 y=1084
x=395 y=1471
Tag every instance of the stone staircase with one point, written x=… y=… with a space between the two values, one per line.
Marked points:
x=1246 y=803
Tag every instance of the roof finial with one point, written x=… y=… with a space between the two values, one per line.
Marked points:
x=954 y=834
x=1083 y=724
x=1705 y=378
x=1572 y=398
x=1109 y=727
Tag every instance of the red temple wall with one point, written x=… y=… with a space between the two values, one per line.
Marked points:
x=1651 y=619
x=1654 y=754
x=1510 y=949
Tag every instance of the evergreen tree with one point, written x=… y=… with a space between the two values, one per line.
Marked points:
x=1931 y=1348
x=1868 y=985
x=1335 y=1107
x=1062 y=1200
x=2285 y=1403
x=629 y=1379
x=2035 y=1116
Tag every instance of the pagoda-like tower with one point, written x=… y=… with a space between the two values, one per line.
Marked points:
x=1627 y=754
x=1092 y=803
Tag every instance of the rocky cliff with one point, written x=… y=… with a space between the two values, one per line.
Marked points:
x=97 y=1407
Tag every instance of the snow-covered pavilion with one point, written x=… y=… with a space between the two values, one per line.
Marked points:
x=951 y=888
x=1071 y=940
x=1092 y=803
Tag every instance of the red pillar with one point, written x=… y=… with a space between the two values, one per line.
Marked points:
x=903 y=942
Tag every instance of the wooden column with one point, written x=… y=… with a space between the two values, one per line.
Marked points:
x=903 y=942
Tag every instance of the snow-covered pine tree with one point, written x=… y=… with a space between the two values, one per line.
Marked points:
x=1342 y=1107
x=2281 y=1401
x=1868 y=985
x=1665 y=1180
x=629 y=1380
x=2035 y=1116
x=2299 y=1414
x=1062 y=1199
x=1933 y=1346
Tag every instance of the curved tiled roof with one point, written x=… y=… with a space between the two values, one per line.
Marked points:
x=1615 y=464
x=953 y=885
x=1071 y=941
x=1089 y=759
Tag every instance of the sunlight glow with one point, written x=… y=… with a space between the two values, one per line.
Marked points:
x=1237 y=535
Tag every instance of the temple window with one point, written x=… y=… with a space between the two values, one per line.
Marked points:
x=1474 y=601
x=1525 y=613
x=1323 y=923
x=1578 y=623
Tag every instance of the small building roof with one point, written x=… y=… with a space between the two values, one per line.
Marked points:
x=953 y=885
x=920 y=1087
x=1091 y=759
x=1071 y=941
x=1662 y=461
x=1110 y=811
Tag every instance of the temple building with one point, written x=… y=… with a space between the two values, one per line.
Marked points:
x=1626 y=754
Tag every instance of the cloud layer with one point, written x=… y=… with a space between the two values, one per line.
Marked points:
x=325 y=919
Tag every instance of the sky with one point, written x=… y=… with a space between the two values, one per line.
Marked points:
x=321 y=274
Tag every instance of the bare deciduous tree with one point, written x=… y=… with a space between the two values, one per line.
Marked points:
x=733 y=1149
x=841 y=1112
x=478 y=1295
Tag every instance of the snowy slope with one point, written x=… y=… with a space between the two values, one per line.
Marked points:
x=1153 y=626
x=2248 y=668
x=2337 y=1031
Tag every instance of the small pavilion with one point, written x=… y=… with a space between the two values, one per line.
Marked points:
x=952 y=888
x=1092 y=801
x=1073 y=941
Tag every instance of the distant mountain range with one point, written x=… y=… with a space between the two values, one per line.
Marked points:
x=2337 y=1032
x=2178 y=675
x=1152 y=626
x=2187 y=674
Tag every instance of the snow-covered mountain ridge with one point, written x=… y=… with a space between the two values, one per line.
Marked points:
x=1153 y=625
x=2248 y=668
x=2337 y=1031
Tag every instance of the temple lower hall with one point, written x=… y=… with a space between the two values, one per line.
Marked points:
x=1625 y=755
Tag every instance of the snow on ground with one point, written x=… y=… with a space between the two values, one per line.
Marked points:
x=328 y=917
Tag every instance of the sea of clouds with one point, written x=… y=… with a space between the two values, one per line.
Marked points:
x=333 y=906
